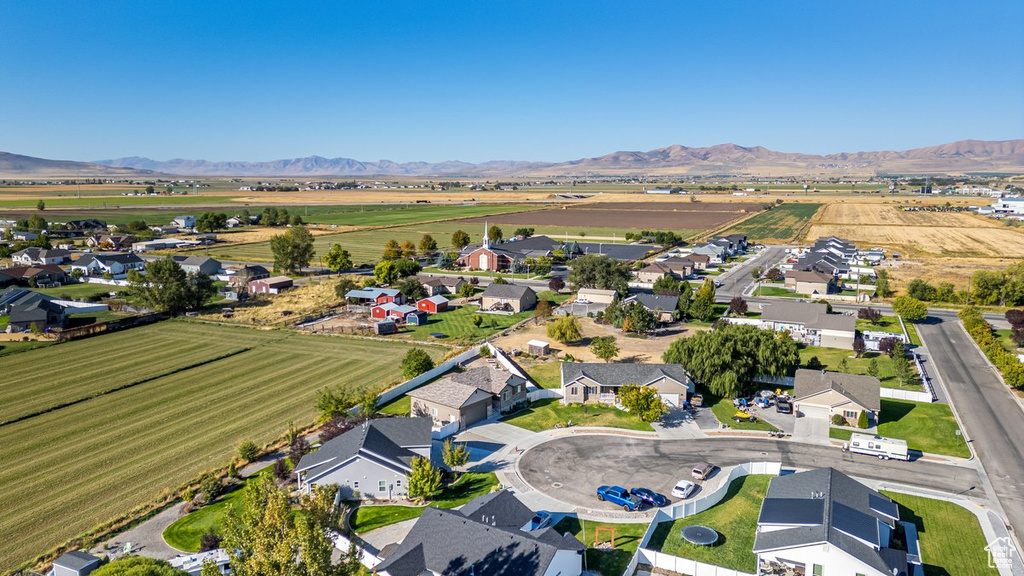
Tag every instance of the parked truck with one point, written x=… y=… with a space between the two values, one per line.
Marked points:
x=619 y=496
x=880 y=446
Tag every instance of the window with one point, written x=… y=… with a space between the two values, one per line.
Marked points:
x=850 y=413
x=817 y=570
x=382 y=486
x=398 y=482
x=504 y=395
x=574 y=391
x=355 y=484
x=433 y=411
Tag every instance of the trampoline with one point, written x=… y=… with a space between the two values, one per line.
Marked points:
x=700 y=535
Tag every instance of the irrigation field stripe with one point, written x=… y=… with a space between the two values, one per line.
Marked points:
x=80 y=466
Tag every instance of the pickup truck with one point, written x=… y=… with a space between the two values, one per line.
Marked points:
x=619 y=496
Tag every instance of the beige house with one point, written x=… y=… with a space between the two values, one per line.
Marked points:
x=821 y=394
x=470 y=396
x=810 y=282
x=508 y=298
x=652 y=273
x=600 y=383
x=807 y=322
x=595 y=296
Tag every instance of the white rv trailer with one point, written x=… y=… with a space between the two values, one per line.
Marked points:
x=884 y=448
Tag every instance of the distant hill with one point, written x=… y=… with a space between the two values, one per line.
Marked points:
x=18 y=166
x=726 y=159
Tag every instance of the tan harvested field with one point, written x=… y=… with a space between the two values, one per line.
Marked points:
x=918 y=234
x=934 y=270
x=316 y=297
x=385 y=196
x=631 y=215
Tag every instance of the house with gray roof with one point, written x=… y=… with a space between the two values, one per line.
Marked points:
x=508 y=298
x=824 y=522
x=372 y=460
x=599 y=383
x=821 y=394
x=489 y=536
x=74 y=563
x=32 y=256
x=469 y=397
x=806 y=322
x=663 y=306
x=113 y=264
x=27 y=308
x=198 y=264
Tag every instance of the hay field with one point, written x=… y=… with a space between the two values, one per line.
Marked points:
x=780 y=224
x=918 y=234
x=72 y=469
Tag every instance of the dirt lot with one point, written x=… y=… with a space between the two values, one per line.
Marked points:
x=630 y=349
x=636 y=215
x=312 y=299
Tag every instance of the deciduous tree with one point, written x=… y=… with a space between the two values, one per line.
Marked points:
x=424 y=480
x=385 y=272
x=428 y=245
x=565 y=329
x=738 y=306
x=910 y=309
x=598 y=271
x=138 y=566
x=168 y=288
x=643 y=402
x=605 y=348
x=460 y=239
x=416 y=362
x=392 y=250
x=292 y=250
x=408 y=249
x=338 y=259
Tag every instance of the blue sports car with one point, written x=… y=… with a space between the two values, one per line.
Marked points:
x=649 y=497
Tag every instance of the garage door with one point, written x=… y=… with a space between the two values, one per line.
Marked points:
x=670 y=399
x=812 y=411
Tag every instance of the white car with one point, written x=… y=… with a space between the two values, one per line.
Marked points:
x=684 y=489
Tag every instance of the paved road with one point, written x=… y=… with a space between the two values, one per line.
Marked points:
x=570 y=469
x=991 y=416
x=738 y=278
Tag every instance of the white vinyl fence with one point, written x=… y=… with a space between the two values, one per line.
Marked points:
x=443 y=367
x=543 y=394
x=900 y=394
x=367 y=558
x=645 y=555
x=445 y=431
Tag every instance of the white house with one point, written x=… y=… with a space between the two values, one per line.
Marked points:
x=113 y=264
x=185 y=221
x=35 y=256
x=824 y=522
x=372 y=460
x=1013 y=206
x=806 y=322
x=600 y=382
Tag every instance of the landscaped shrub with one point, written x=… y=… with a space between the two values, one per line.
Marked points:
x=248 y=450
x=838 y=420
x=981 y=331
x=210 y=540
x=211 y=487
x=813 y=363
x=862 y=420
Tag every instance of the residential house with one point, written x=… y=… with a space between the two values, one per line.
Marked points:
x=441 y=285
x=165 y=230
x=372 y=460
x=433 y=304
x=716 y=253
x=74 y=563
x=113 y=264
x=116 y=242
x=810 y=282
x=272 y=285
x=391 y=310
x=43 y=276
x=246 y=274
x=84 y=226
x=700 y=261
x=508 y=297
x=679 y=267
x=198 y=264
x=446 y=401
x=24 y=236
x=164 y=244
x=809 y=323
x=600 y=383
x=186 y=222
x=374 y=295
x=235 y=222
x=652 y=273
x=824 y=522
x=738 y=241
x=821 y=394
x=492 y=534
x=508 y=391
x=663 y=306
x=31 y=256
x=35 y=311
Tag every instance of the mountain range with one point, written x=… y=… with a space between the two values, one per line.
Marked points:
x=965 y=156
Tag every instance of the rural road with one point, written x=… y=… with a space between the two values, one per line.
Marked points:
x=570 y=469
x=991 y=416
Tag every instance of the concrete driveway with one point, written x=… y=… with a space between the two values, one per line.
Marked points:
x=811 y=429
x=570 y=469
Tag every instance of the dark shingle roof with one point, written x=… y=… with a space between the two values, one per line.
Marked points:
x=864 y=390
x=388 y=438
x=446 y=542
x=508 y=291
x=847 y=519
x=623 y=252
x=620 y=374
x=811 y=314
x=499 y=508
x=652 y=302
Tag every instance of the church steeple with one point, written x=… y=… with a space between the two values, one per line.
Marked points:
x=487 y=240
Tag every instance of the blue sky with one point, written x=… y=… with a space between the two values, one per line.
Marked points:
x=484 y=80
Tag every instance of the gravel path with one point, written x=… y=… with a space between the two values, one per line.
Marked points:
x=147 y=538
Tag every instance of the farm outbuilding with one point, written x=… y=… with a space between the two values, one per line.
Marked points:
x=272 y=285
x=433 y=305
x=417 y=317
x=538 y=347
x=384 y=327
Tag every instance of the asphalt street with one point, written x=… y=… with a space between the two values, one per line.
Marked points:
x=989 y=413
x=570 y=469
x=738 y=278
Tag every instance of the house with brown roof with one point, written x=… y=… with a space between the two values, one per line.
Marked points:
x=700 y=261
x=811 y=282
x=43 y=275
x=822 y=394
x=116 y=242
x=469 y=397
x=272 y=285
x=652 y=273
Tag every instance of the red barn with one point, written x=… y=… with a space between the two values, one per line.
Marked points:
x=433 y=305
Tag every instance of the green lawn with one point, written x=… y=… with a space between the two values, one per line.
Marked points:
x=890 y=324
x=782 y=223
x=185 y=532
x=398 y=407
x=735 y=520
x=469 y=486
x=606 y=562
x=830 y=359
x=1004 y=338
x=544 y=414
x=770 y=290
x=7 y=347
x=930 y=428
x=80 y=291
x=457 y=323
x=951 y=539
x=724 y=410
x=547 y=375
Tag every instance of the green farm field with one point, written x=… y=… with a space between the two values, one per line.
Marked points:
x=781 y=224
x=70 y=470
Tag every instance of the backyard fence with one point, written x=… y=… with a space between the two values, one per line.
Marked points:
x=467 y=356
x=445 y=431
x=543 y=394
x=912 y=395
x=367 y=558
